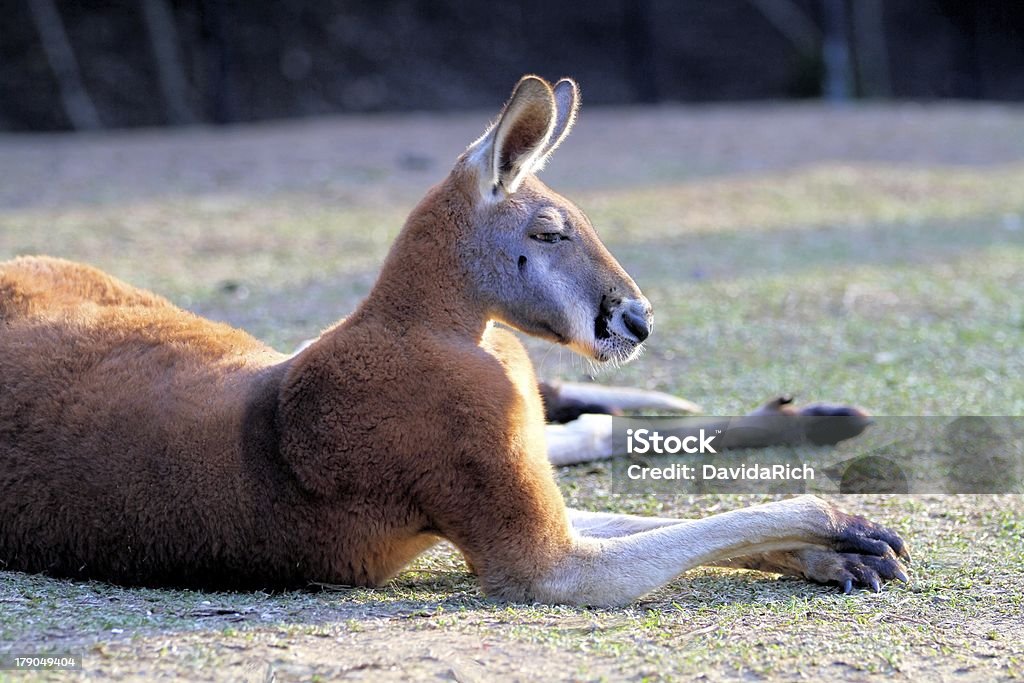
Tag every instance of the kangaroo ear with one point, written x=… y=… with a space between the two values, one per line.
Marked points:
x=512 y=147
x=567 y=103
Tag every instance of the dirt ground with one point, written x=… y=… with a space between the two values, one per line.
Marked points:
x=387 y=159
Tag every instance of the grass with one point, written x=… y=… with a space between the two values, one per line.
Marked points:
x=891 y=283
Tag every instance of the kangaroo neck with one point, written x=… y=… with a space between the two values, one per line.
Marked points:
x=423 y=283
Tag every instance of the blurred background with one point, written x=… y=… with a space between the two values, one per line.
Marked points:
x=93 y=64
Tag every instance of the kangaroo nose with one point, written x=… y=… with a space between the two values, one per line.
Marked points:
x=638 y=318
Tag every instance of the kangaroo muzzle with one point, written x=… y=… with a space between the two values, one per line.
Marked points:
x=638 y=318
x=621 y=326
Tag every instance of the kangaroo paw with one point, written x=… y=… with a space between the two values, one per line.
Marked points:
x=824 y=423
x=821 y=565
x=855 y=534
x=863 y=554
x=854 y=553
x=850 y=570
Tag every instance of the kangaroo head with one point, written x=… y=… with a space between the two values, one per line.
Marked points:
x=532 y=256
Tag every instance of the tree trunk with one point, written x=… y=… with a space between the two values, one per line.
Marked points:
x=77 y=104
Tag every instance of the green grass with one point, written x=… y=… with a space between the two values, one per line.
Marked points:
x=893 y=286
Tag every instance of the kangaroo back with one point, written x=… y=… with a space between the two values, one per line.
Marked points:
x=40 y=284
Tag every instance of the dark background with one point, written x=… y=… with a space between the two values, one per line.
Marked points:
x=106 y=64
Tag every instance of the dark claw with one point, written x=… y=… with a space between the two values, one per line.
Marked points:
x=848 y=586
x=902 y=576
x=895 y=542
x=904 y=553
x=875 y=584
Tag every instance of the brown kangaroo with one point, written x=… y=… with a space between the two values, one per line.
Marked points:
x=141 y=444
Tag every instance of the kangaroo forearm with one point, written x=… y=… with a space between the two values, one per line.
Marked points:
x=615 y=571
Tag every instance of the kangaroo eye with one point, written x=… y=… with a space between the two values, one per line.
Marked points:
x=548 y=237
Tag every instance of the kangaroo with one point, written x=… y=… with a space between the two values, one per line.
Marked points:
x=143 y=445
